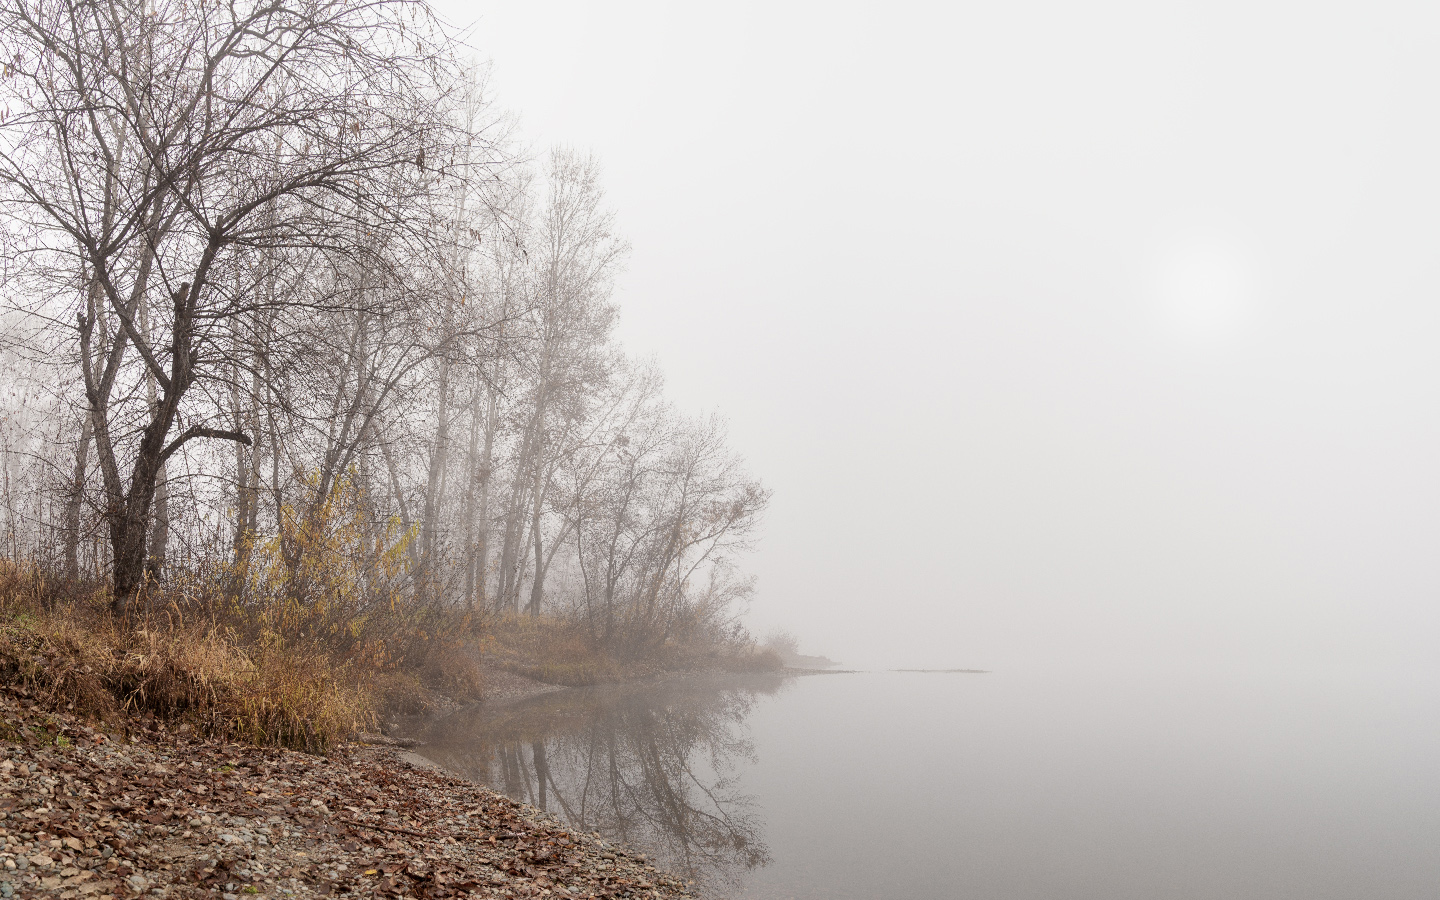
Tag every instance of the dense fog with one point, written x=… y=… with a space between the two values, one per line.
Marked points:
x=806 y=450
x=957 y=338
x=1058 y=332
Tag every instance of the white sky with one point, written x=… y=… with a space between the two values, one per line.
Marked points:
x=1060 y=331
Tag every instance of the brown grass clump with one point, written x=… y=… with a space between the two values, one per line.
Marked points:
x=299 y=701
x=551 y=650
x=448 y=672
x=59 y=644
x=452 y=670
x=761 y=660
x=558 y=651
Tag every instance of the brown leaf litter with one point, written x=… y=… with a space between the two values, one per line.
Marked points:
x=84 y=814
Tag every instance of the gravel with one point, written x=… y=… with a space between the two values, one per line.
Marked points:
x=85 y=814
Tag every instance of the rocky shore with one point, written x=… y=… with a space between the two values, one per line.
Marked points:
x=85 y=813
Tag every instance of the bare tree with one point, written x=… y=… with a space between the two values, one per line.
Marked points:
x=153 y=149
x=575 y=254
x=292 y=227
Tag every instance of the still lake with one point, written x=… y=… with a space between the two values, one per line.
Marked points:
x=1041 y=784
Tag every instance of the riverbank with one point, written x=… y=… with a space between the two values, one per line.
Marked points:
x=278 y=674
x=88 y=813
x=503 y=686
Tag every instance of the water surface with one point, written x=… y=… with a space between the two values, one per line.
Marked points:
x=1207 y=784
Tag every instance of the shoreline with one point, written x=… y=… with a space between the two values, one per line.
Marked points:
x=97 y=815
x=503 y=686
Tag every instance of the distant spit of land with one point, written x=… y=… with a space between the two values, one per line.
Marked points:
x=801 y=661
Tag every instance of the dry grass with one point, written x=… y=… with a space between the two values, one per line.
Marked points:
x=557 y=651
x=59 y=644
x=279 y=672
x=553 y=651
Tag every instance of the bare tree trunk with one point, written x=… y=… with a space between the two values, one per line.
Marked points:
x=74 y=499
x=247 y=482
x=277 y=493
x=159 y=527
x=532 y=463
x=247 y=465
x=128 y=507
x=434 y=485
x=399 y=493
x=239 y=534
x=511 y=551
x=487 y=466
x=160 y=521
x=130 y=518
x=469 y=512
x=537 y=584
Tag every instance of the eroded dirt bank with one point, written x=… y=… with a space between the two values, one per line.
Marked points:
x=86 y=814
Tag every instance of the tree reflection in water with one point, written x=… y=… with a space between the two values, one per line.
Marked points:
x=649 y=765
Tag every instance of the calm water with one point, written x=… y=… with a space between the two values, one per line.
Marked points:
x=1031 y=785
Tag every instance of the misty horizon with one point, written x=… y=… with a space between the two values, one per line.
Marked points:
x=1057 y=335
x=775 y=451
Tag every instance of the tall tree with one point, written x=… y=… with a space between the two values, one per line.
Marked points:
x=152 y=147
x=577 y=253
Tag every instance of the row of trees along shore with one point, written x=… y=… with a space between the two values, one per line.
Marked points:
x=291 y=320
